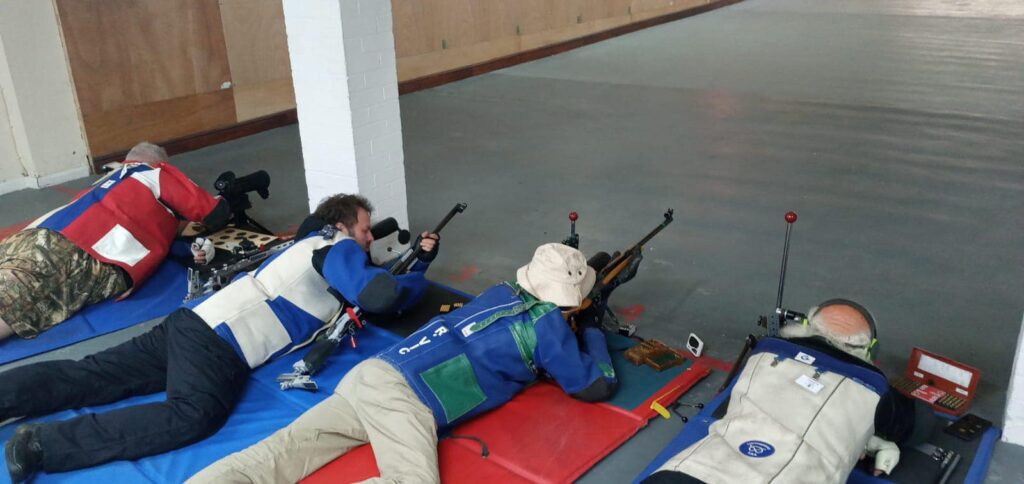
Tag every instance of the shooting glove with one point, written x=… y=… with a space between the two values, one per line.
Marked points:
x=887 y=454
x=204 y=246
x=428 y=257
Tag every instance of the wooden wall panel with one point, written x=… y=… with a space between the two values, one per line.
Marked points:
x=120 y=129
x=645 y=9
x=257 y=49
x=475 y=31
x=132 y=52
x=414 y=29
x=153 y=69
x=141 y=60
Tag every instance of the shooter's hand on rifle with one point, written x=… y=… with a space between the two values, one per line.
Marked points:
x=429 y=243
x=202 y=251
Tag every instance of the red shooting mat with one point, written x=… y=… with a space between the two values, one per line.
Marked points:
x=542 y=435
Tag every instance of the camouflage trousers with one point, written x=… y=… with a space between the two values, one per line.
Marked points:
x=45 y=279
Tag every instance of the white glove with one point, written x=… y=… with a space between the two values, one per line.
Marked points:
x=887 y=454
x=203 y=250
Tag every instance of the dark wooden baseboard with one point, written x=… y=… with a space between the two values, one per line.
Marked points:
x=211 y=137
x=253 y=126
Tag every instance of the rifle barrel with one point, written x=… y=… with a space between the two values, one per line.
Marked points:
x=403 y=266
x=613 y=267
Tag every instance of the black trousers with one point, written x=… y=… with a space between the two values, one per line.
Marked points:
x=202 y=374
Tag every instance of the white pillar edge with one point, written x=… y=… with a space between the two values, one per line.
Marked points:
x=1013 y=420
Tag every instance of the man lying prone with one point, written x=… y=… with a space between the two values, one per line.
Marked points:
x=454 y=368
x=805 y=409
x=202 y=353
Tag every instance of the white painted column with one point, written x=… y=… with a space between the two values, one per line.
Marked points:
x=346 y=93
x=43 y=139
x=1013 y=422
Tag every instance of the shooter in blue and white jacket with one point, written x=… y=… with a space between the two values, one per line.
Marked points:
x=457 y=366
x=202 y=353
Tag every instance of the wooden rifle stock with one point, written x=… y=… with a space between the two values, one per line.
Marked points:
x=607 y=275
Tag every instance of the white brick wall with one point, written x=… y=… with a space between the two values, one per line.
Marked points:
x=346 y=92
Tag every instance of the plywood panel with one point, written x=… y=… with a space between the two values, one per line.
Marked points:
x=134 y=52
x=554 y=36
x=540 y=23
x=413 y=67
x=118 y=130
x=132 y=59
x=645 y=9
x=415 y=30
x=433 y=36
x=255 y=100
x=257 y=45
x=257 y=48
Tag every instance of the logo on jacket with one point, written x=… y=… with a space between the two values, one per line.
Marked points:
x=406 y=350
x=756 y=448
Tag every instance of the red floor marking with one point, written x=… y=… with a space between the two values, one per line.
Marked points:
x=467 y=273
x=631 y=313
x=10 y=229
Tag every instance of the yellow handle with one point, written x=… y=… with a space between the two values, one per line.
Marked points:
x=657 y=407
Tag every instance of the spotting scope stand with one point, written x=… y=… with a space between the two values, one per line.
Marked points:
x=775 y=322
x=573 y=240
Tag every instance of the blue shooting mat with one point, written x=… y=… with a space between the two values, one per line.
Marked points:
x=157 y=297
x=697 y=428
x=262 y=409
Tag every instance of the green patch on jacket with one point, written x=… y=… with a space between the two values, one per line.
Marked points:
x=455 y=386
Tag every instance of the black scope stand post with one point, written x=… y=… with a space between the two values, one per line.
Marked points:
x=573 y=240
x=780 y=314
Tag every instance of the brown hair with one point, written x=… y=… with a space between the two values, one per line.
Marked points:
x=342 y=209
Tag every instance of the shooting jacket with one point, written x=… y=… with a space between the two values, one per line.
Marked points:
x=264 y=313
x=796 y=415
x=478 y=357
x=128 y=218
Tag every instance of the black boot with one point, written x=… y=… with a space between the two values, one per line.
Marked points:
x=24 y=453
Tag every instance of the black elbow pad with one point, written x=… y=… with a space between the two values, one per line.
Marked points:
x=319 y=256
x=924 y=423
x=381 y=295
x=601 y=389
x=218 y=217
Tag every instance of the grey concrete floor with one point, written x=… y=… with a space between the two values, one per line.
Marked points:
x=894 y=128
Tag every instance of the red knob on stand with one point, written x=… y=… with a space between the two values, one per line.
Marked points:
x=573 y=216
x=790 y=217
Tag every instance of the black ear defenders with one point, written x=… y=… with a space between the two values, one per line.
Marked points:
x=872 y=348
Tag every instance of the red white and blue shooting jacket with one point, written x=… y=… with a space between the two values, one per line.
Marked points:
x=128 y=218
